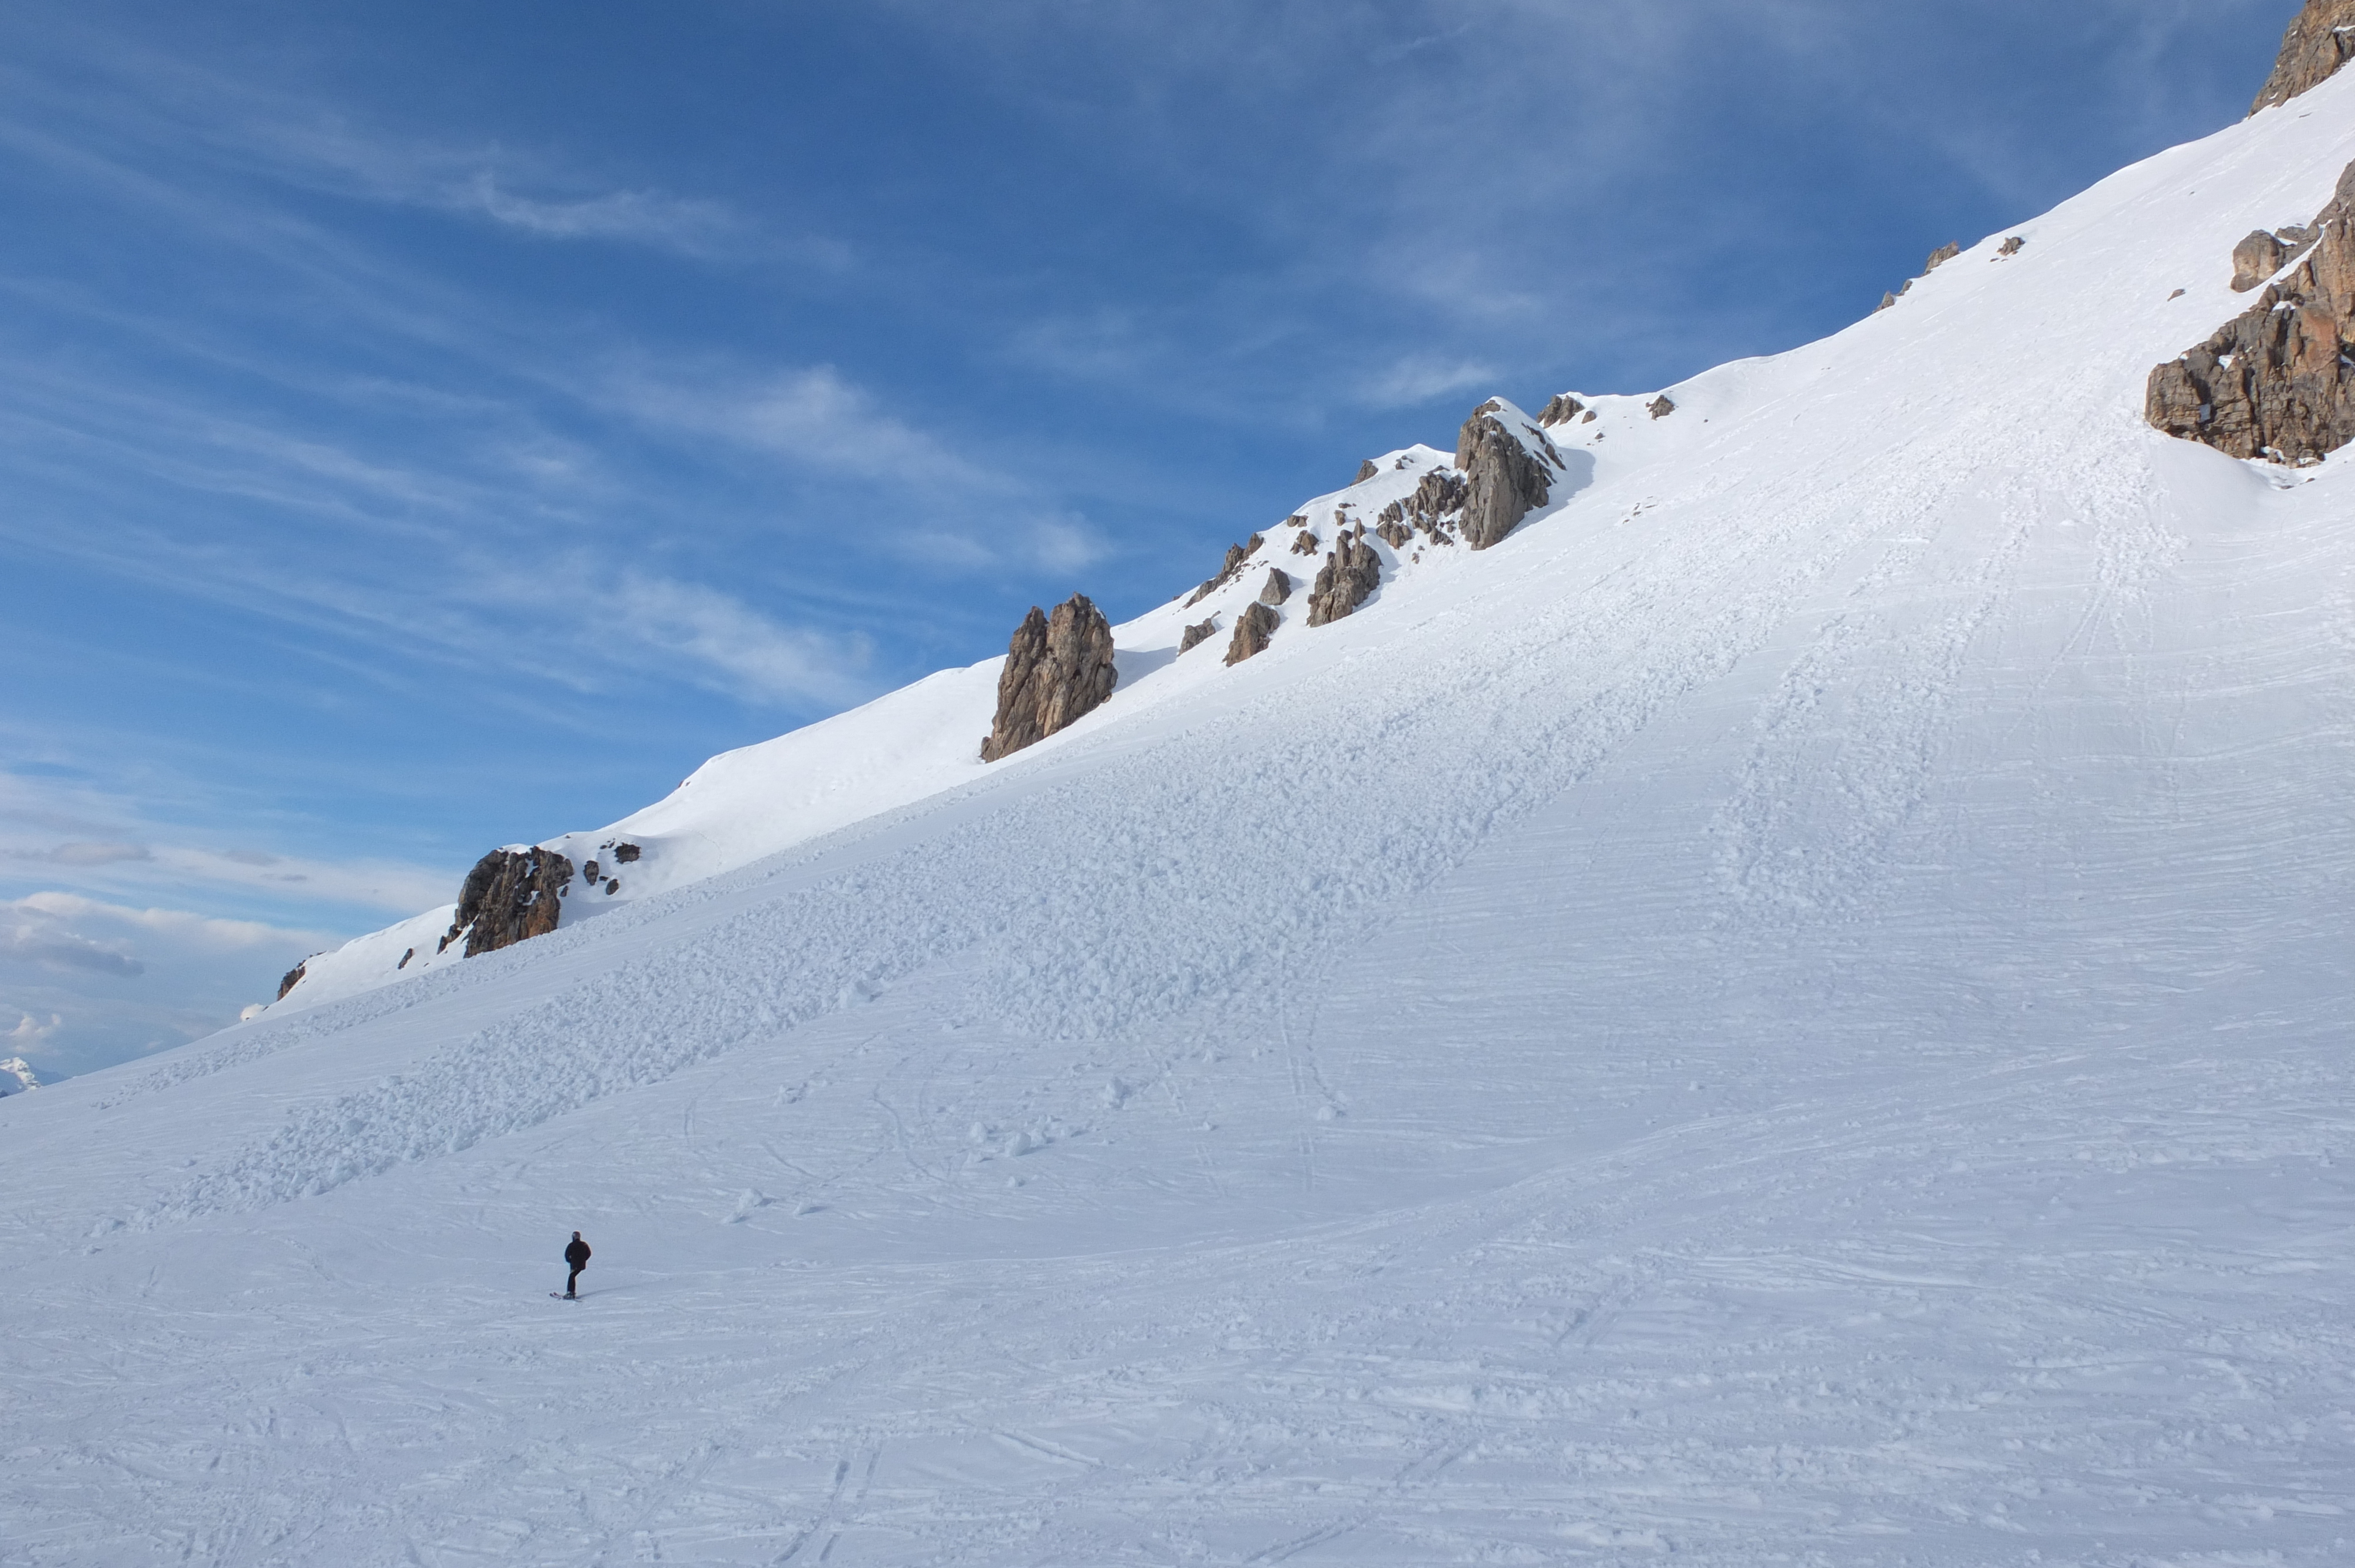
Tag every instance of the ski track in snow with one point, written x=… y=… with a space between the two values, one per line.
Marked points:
x=1796 y=1012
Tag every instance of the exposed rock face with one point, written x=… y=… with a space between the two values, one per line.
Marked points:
x=1560 y=409
x=1236 y=556
x=510 y=896
x=1368 y=469
x=2275 y=382
x=2012 y=247
x=1253 y=628
x=293 y=977
x=1437 y=498
x=1505 y=479
x=1195 y=634
x=625 y=854
x=1350 y=573
x=1278 y=586
x=1661 y=407
x=2256 y=258
x=1396 y=535
x=2317 y=44
x=1304 y=542
x=1058 y=669
x=1941 y=256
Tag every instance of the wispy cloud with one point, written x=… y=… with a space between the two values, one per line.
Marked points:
x=106 y=845
x=767 y=661
x=1419 y=378
x=93 y=981
x=813 y=416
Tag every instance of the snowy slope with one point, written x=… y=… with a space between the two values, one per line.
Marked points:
x=1796 y=1011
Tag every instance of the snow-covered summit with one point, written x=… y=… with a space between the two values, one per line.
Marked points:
x=1795 y=1007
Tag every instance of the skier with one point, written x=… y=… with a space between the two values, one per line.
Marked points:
x=576 y=1256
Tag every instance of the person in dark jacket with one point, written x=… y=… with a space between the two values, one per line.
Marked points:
x=576 y=1256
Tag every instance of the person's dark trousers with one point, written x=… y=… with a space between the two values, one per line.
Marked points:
x=571 y=1285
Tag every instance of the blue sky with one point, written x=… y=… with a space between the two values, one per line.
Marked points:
x=431 y=427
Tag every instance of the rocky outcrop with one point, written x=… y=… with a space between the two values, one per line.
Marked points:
x=510 y=896
x=1196 y=634
x=2011 y=247
x=625 y=854
x=1661 y=407
x=1278 y=586
x=2255 y=259
x=1941 y=256
x=2320 y=41
x=1504 y=478
x=1253 y=628
x=2275 y=382
x=1058 y=669
x=1236 y=556
x=1394 y=534
x=1368 y=469
x=1438 y=500
x=293 y=977
x=1562 y=409
x=1350 y=573
x=1305 y=543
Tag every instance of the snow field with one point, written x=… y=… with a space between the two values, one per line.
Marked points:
x=1794 y=1012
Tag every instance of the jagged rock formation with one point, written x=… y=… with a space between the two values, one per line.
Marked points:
x=1278 y=586
x=1396 y=535
x=2275 y=382
x=1196 y=634
x=293 y=977
x=1661 y=407
x=2012 y=247
x=1305 y=543
x=1368 y=469
x=1058 y=670
x=1236 y=556
x=1351 y=572
x=1505 y=480
x=1561 y=409
x=1253 y=628
x=2320 y=41
x=1941 y=256
x=510 y=896
x=1439 y=497
x=625 y=854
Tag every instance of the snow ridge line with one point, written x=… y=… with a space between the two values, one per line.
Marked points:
x=1085 y=936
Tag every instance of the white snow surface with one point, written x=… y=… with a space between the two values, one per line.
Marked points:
x=1794 y=1012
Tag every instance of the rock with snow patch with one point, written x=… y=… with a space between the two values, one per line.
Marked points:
x=1350 y=573
x=293 y=977
x=2256 y=258
x=1505 y=477
x=1278 y=586
x=1236 y=556
x=510 y=896
x=2318 y=42
x=1941 y=256
x=1368 y=469
x=1305 y=543
x=2275 y=382
x=1195 y=634
x=1058 y=670
x=1253 y=628
x=1560 y=409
